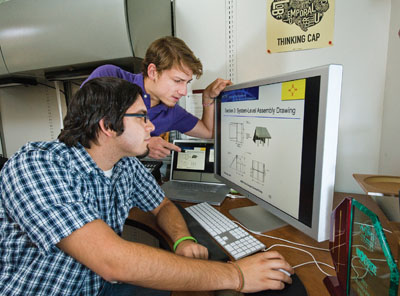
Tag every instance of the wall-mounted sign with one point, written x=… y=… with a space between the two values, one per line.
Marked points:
x=299 y=24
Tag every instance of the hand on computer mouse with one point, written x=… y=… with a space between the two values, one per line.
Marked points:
x=260 y=272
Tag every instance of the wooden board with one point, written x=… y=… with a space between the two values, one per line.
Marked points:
x=379 y=184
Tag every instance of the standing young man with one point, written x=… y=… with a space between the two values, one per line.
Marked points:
x=63 y=205
x=168 y=67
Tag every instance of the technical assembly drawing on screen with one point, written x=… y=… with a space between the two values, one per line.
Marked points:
x=276 y=142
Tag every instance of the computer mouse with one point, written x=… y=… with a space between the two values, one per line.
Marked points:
x=284 y=271
x=296 y=288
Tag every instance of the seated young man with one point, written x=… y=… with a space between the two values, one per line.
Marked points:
x=168 y=67
x=63 y=205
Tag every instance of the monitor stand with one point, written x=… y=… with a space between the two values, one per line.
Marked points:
x=257 y=219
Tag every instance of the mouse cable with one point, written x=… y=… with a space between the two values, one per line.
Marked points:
x=313 y=262
x=312 y=256
x=281 y=239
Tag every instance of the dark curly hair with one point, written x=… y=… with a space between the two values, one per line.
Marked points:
x=104 y=97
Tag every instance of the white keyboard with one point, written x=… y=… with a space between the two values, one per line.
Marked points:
x=236 y=241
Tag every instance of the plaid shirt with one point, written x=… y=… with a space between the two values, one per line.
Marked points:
x=49 y=190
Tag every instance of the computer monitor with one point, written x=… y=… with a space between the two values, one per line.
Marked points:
x=276 y=141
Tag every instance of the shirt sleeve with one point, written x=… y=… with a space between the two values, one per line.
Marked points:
x=183 y=120
x=43 y=203
x=111 y=71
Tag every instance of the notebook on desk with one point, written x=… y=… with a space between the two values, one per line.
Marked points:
x=192 y=174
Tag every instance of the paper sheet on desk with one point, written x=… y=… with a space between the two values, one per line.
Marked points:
x=235 y=195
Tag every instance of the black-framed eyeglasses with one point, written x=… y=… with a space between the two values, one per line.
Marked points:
x=142 y=115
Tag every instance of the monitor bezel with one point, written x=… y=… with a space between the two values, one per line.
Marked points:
x=326 y=147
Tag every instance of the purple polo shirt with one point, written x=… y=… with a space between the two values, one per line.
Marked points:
x=164 y=118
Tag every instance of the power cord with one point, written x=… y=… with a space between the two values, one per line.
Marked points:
x=317 y=263
x=281 y=239
x=312 y=256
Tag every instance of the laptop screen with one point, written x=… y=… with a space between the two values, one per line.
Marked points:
x=195 y=162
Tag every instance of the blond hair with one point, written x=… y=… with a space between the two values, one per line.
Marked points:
x=168 y=52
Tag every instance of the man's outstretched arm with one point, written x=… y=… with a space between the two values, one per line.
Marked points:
x=96 y=246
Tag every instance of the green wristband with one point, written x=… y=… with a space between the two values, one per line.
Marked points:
x=183 y=239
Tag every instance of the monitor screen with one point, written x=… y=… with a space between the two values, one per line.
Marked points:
x=195 y=161
x=276 y=142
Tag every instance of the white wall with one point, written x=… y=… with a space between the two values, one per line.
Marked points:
x=390 y=144
x=201 y=24
x=360 y=44
x=28 y=114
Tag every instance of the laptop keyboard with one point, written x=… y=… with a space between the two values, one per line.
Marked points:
x=197 y=187
x=236 y=241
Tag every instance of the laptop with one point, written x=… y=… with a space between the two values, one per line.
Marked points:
x=192 y=174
